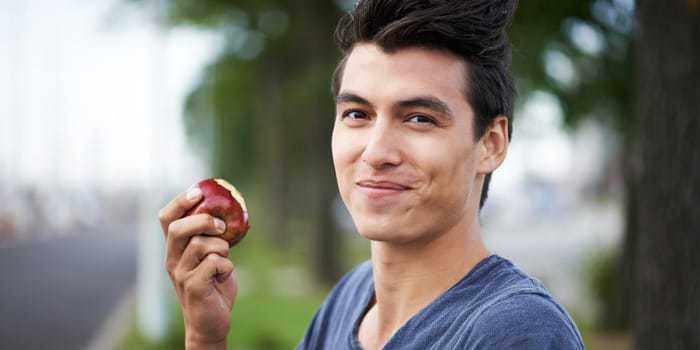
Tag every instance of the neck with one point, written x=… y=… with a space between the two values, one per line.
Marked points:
x=408 y=277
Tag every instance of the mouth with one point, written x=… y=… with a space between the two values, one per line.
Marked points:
x=382 y=189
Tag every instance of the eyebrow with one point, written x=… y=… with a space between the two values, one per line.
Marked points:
x=430 y=102
x=350 y=97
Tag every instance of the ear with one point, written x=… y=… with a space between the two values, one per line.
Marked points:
x=493 y=145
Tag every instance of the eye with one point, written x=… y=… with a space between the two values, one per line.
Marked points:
x=355 y=114
x=421 y=119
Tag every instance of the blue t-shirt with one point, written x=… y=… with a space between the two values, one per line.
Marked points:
x=495 y=306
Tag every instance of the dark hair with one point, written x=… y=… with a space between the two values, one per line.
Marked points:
x=474 y=30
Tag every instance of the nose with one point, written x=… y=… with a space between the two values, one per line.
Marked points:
x=382 y=148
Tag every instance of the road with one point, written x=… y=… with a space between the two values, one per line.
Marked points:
x=55 y=294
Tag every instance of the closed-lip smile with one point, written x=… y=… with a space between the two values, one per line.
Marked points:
x=376 y=190
x=386 y=185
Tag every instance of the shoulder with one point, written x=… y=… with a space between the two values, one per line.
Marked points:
x=526 y=320
x=533 y=311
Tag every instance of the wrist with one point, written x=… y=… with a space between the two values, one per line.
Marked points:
x=195 y=340
x=199 y=344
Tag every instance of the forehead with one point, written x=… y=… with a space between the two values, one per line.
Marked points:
x=378 y=75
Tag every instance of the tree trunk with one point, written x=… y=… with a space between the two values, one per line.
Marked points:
x=618 y=314
x=667 y=306
x=319 y=51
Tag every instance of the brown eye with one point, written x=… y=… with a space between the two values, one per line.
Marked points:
x=421 y=119
x=355 y=115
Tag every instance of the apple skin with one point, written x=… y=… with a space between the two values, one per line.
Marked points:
x=222 y=200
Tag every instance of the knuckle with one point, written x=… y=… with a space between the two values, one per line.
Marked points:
x=178 y=278
x=179 y=281
x=222 y=246
x=197 y=243
x=170 y=266
x=189 y=288
x=173 y=227
x=211 y=258
x=228 y=263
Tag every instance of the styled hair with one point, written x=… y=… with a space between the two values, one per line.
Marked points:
x=474 y=30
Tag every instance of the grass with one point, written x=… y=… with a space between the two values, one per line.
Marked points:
x=258 y=322
x=271 y=322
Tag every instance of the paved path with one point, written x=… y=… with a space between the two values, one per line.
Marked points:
x=55 y=294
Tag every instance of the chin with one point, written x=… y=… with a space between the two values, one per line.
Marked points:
x=384 y=231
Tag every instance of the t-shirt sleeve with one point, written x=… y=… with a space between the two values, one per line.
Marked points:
x=524 y=321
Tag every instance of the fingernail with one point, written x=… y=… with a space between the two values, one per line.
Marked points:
x=220 y=225
x=193 y=194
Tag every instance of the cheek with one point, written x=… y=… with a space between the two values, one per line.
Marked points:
x=450 y=171
x=334 y=147
x=342 y=151
x=462 y=179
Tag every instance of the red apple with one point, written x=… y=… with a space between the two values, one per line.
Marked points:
x=222 y=200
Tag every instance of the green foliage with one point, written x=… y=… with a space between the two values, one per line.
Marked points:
x=271 y=321
x=259 y=322
x=554 y=34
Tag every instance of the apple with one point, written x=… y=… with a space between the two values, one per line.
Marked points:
x=222 y=200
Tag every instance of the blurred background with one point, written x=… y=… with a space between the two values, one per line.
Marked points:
x=109 y=108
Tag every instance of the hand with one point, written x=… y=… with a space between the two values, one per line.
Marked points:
x=198 y=265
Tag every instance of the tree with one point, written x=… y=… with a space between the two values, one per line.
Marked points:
x=264 y=112
x=667 y=309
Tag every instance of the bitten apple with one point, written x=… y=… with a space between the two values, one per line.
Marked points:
x=222 y=200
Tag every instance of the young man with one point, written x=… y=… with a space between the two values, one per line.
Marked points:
x=424 y=103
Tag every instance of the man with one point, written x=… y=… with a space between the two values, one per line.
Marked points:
x=424 y=107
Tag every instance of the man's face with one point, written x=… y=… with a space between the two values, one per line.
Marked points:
x=403 y=143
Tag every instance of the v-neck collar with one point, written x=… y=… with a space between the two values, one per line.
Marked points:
x=354 y=339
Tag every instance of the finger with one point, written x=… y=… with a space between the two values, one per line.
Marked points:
x=198 y=248
x=212 y=269
x=182 y=230
x=178 y=207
